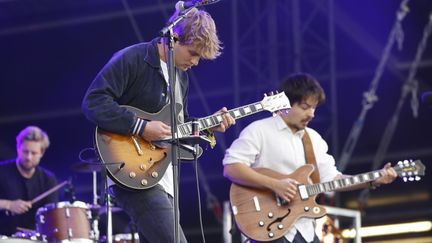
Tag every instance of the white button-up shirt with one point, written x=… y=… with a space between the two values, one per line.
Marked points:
x=269 y=143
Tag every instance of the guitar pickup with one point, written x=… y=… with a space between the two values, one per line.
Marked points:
x=303 y=192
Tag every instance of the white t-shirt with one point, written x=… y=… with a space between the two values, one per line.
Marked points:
x=167 y=181
x=269 y=143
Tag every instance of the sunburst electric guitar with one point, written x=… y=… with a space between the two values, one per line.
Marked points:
x=263 y=216
x=134 y=163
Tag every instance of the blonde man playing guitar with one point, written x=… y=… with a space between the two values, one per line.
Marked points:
x=137 y=77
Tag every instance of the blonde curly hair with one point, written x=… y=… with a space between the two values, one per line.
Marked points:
x=199 y=30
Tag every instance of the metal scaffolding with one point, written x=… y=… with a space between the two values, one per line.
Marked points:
x=272 y=39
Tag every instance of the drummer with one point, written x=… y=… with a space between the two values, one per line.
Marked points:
x=22 y=180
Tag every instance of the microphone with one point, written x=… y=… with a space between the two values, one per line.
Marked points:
x=426 y=98
x=183 y=5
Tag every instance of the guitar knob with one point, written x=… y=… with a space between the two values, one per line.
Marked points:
x=143 y=167
x=154 y=174
x=144 y=182
x=261 y=223
x=270 y=234
x=132 y=175
x=270 y=215
x=280 y=226
x=306 y=209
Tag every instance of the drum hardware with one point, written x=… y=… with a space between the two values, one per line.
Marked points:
x=13 y=239
x=126 y=238
x=24 y=233
x=92 y=166
x=95 y=166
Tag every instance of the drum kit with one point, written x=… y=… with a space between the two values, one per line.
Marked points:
x=72 y=221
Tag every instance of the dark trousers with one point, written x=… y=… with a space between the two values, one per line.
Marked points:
x=152 y=211
x=297 y=239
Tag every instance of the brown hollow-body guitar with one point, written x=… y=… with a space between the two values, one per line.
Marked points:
x=135 y=163
x=263 y=216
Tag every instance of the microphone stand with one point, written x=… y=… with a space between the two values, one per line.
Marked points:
x=167 y=32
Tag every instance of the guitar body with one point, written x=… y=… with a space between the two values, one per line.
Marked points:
x=134 y=163
x=125 y=165
x=262 y=217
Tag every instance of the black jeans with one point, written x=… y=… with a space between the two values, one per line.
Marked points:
x=152 y=211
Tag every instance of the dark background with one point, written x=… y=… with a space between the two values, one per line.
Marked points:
x=51 y=50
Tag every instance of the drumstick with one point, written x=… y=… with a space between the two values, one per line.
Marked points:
x=43 y=195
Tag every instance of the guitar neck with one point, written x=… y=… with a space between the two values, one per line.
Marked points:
x=330 y=186
x=185 y=129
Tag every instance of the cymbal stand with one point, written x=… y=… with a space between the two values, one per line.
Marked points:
x=95 y=221
x=106 y=198
x=109 y=218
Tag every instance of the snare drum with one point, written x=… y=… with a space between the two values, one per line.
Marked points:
x=64 y=221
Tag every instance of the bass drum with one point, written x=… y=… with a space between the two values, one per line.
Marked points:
x=65 y=221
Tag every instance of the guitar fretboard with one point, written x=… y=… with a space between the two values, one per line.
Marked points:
x=315 y=189
x=185 y=129
x=409 y=170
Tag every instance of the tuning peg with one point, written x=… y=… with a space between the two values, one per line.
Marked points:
x=411 y=178
x=417 y=178
x=271 y=93
x=405 y=179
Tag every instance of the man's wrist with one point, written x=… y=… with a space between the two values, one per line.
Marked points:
x=372 y=185
x=6 y=204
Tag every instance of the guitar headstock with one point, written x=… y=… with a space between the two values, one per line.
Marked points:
x=410 y=170
x=275 y=102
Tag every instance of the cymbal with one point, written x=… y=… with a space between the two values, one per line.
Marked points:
x=103 y=209
x=84 y=167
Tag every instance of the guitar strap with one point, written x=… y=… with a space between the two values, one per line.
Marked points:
x=310 y=156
